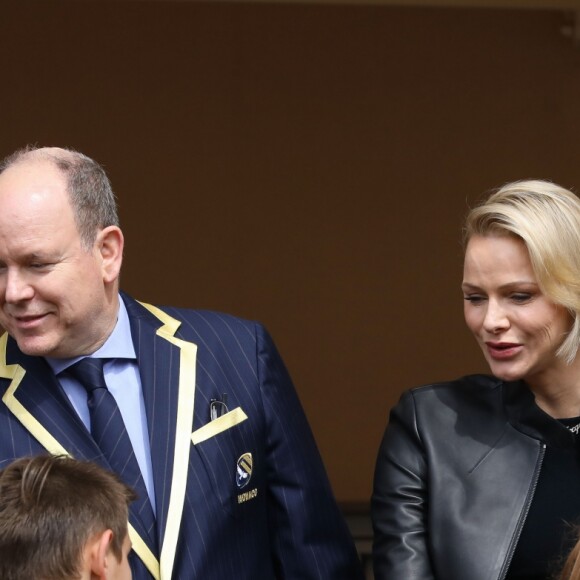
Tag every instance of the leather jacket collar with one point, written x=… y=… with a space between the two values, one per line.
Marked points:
x=528 y=418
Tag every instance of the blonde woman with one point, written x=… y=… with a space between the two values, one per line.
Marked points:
x=479 y=478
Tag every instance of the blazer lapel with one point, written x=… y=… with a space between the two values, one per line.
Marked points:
x=36 y=399
x=164 y=362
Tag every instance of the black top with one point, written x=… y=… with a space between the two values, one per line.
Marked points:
x=549 y=530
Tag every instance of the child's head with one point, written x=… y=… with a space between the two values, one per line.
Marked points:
x=62 y=519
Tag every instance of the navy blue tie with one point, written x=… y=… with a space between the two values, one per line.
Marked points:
x=110 y=434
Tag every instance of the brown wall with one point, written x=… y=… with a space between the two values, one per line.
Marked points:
x=307 y=166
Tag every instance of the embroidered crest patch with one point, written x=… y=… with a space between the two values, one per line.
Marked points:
x=244 y=470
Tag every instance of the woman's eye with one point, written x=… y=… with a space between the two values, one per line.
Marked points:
x=474 y=298
x=521 y=297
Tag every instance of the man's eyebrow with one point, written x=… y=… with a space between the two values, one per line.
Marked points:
x=38 y=255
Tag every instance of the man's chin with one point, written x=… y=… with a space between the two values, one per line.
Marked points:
x=35 y=346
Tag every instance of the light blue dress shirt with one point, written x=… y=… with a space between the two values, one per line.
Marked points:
x=124 y=383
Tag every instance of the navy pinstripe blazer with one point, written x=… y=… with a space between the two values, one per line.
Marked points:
x=244 y=496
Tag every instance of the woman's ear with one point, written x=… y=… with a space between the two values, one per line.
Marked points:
x=109 y=244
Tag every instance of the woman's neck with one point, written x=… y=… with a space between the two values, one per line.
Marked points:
x=557 y=391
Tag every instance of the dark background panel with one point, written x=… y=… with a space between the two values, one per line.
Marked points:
x=307 y=166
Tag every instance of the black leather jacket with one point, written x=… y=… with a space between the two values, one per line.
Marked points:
x=455 y=477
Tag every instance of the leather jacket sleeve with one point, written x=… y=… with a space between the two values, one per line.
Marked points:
x=400 y=500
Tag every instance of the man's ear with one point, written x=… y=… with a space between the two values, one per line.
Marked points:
x=110 y=243
x=98 y=551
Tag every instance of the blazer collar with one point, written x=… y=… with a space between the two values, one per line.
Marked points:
x=37 y=400
x=167 y=366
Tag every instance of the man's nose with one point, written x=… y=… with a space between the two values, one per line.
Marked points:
x=18 y=287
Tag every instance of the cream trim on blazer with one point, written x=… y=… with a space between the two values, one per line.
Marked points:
x=185 y=405
x=217 y=426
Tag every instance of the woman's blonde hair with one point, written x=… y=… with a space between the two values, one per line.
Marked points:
x=546 y=217
x=571 y=570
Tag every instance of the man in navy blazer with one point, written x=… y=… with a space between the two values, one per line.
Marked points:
x=230 y=466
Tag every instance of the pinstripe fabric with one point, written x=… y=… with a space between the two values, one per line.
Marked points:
x=109 y=432
x=284 y=523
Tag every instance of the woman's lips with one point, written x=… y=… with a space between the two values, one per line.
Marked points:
x=503 y=350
